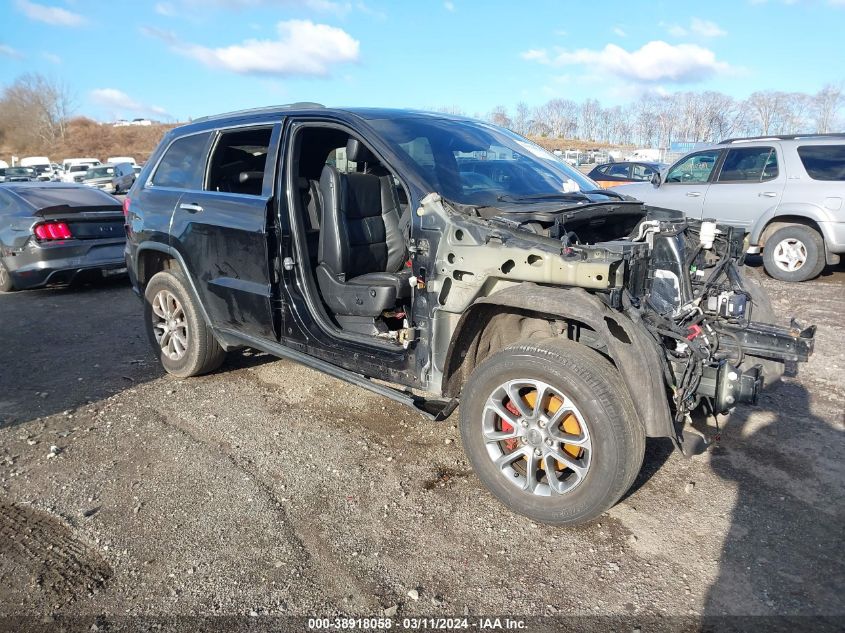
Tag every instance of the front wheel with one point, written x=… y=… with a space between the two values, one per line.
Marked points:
x=183 y=342
x=551 y=431
x=794 y=253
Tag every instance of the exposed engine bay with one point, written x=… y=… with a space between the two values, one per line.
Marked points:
x=678 y=278
x=682 y=282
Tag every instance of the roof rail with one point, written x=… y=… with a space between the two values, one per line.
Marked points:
x=299 y=105
x=781 y=137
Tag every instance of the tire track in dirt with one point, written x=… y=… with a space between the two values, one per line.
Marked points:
x=39 y=549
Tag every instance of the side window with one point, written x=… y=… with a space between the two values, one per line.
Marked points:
x=749 y=164
x=641 y=172
x=694 y=169
x=239 y=160
x=183 y=164
x=824 y=162
x=619 y=171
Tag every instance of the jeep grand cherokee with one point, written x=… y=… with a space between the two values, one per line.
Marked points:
x=436 y=260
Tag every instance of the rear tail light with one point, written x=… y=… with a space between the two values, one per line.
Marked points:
x=52 y=231
x=126 y=203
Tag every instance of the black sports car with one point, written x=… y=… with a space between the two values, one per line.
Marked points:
x=55 y=232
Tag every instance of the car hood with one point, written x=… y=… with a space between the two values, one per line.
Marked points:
x=639 y=190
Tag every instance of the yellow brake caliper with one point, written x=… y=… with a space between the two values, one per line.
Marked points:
x=568 y=425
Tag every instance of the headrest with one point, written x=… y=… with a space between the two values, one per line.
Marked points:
x=357 y=152
x=246 y=176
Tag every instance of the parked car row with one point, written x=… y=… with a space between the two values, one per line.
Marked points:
x=114 y=176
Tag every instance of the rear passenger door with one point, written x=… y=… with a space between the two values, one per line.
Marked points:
x=749 y=183
x=221 y=229
x=180 y=167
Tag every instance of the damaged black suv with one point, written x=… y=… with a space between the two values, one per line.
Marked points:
x=436 y=260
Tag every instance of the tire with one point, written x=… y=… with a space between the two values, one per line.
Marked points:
x=794 y=253
x=602 y=406
x=6 y=283
x=191 y=349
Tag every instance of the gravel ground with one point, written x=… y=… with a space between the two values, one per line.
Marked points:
x=268 y=488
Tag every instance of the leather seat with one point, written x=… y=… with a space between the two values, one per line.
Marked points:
x=361 y=253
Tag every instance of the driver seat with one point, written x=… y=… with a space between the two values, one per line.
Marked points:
x=360 y=268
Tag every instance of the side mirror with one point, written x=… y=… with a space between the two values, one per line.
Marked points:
x=655 y=179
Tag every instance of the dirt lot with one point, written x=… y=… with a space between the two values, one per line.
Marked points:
x=267 y=488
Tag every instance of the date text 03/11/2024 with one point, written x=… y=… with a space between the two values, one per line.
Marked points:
x=416 y=624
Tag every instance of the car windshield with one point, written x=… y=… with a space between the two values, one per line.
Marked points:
x=99 y=172
x=75 y=168
x=20 y=171
x=477 y=164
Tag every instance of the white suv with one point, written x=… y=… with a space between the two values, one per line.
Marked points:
x=787 y=192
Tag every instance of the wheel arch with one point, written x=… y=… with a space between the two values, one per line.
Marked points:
x=155 y=257
x=805 y=214
x=626 y=344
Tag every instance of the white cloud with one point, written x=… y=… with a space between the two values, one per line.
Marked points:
x=536 y=54
x=675 y=30
x=697 y=26
x=301 y=48
x=448 y=5
x=618 y=30
x=706 y=28
x=654 y=62
x=119 y=102
x=49 y=15
x=8 y=51
x=165 y=8
x=51 y=57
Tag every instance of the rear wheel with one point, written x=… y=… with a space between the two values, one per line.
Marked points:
x=6 y=283
x=794 y=253
x=551 y=431
x=180 y=337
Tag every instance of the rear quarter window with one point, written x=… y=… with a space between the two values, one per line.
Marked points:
x=824 y=162
x=183 y=164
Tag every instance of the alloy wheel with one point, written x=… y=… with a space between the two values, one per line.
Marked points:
x=790 y=254
x=170 y=325
x=536 y=437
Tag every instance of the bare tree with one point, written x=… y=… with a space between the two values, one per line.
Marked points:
x=522 y=118
x=499 y=116
x=825 y=106
x=561 y=115
x=588 y=119
x=34 y=111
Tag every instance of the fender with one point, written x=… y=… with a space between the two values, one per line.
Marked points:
x=629 y=345
x=799 y=209
x=172 y=252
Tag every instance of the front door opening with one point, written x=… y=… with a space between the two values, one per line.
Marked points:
x=353 y=217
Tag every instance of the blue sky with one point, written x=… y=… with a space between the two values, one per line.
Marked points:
x=174 y=59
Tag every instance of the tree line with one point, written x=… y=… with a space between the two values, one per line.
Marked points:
x=658 y=120
x=35 y=110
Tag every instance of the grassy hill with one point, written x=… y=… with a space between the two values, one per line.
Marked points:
x=85 y=137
